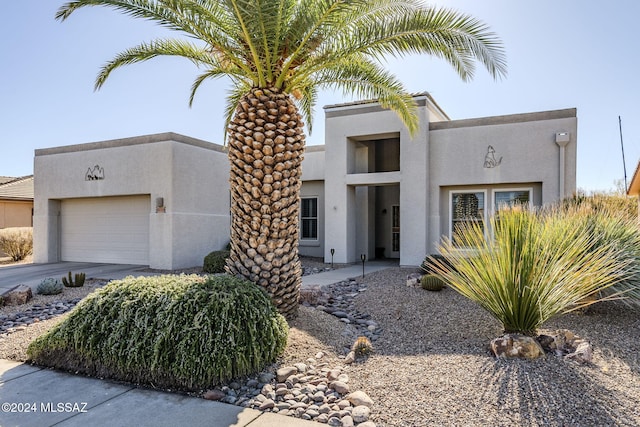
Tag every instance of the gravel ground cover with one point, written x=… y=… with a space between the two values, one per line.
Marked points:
x=432 y=364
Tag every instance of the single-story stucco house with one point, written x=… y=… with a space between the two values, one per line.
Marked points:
x=163 y=200
x=16 y=201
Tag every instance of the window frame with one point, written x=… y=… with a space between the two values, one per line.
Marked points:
x=316 y=218
x=484 y=216
x=490 y=207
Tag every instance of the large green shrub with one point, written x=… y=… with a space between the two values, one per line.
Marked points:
x=179 y=332
x=16 y=242
x=215 y=261
x=533 y=267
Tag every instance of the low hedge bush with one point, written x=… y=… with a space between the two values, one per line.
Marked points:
x=16 y=242
x=178 y=332
x=215 y=261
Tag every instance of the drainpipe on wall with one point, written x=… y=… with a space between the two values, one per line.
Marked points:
x=562 y=139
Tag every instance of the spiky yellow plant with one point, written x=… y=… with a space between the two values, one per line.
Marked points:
x=534 y=266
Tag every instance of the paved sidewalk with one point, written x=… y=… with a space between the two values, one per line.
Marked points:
x=34 y=397
x=340 y=274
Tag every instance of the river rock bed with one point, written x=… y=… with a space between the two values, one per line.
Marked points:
x=310 y=390
x=10 y=323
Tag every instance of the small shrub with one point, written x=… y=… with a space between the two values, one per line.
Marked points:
x=49 y=286
x=431 y=282
x=215 y=262
x=178 y=332
x=16 y=242
x=362 y=347
x=70 y=283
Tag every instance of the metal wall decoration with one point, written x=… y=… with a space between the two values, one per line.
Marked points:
x=490 y=160
x=94 y=174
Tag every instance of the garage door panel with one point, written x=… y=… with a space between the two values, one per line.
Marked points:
x=106 y=229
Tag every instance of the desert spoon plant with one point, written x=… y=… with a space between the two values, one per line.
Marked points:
x=534 y=266
x=278 y=55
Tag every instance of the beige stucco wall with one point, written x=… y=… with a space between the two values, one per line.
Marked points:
x=531 y=158
x=443 y=156
x=15 y=213
x=190 y=175
x=350 y=205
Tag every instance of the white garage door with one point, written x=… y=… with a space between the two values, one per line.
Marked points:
x=106 y=229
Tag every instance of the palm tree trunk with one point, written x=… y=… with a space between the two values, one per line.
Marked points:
x=266 y=148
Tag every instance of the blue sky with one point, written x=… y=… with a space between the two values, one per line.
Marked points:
x=561 y=54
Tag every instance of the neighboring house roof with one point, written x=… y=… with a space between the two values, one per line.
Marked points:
x=17 y=188
x=634 y=186
x=4 y=179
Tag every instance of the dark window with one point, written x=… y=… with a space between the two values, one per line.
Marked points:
x=309 y=218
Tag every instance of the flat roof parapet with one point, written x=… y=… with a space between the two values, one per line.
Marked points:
x=136 y=140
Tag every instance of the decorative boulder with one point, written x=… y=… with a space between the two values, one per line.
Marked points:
x=515 y=345
x=360 y=398
x=17 y=295
x=566 y=344
x=312 y=295
x=413 y=279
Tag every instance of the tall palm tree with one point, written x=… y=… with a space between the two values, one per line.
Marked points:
x=278 y=54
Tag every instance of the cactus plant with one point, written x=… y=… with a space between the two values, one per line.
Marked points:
x=49 y=286
x=362 y=346
x=70 y=283
x=431 y=282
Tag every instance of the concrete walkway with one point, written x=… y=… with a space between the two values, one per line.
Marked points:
x=35 y=397
x=352 y=271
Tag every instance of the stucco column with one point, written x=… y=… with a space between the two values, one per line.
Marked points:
x=414 y=193
x=340 y=200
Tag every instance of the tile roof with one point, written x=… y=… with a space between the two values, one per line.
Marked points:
x=16 y=188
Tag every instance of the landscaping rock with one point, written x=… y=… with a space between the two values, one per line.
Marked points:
x=214 y=394
x=360 y=398
x=413 y=279
x=283 y=373
x=17 y=295
x=312 y=295
x=515 y=345
x=566 y=344
x=340 y=387
x=582 y=353
x=350 y=358
x=360 y=414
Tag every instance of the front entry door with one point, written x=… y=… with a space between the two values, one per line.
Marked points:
x=395 y=231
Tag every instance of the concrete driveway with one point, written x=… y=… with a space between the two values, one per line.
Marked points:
x=32 y=274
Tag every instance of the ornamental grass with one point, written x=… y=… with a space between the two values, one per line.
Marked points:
x=534 y=265
x=613 y=221
x=176 y=332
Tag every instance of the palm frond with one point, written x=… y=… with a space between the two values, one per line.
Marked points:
x=162 y=47
x=368 y=80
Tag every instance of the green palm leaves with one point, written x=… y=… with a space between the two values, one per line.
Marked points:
x=301 y=46
x=534 y=266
